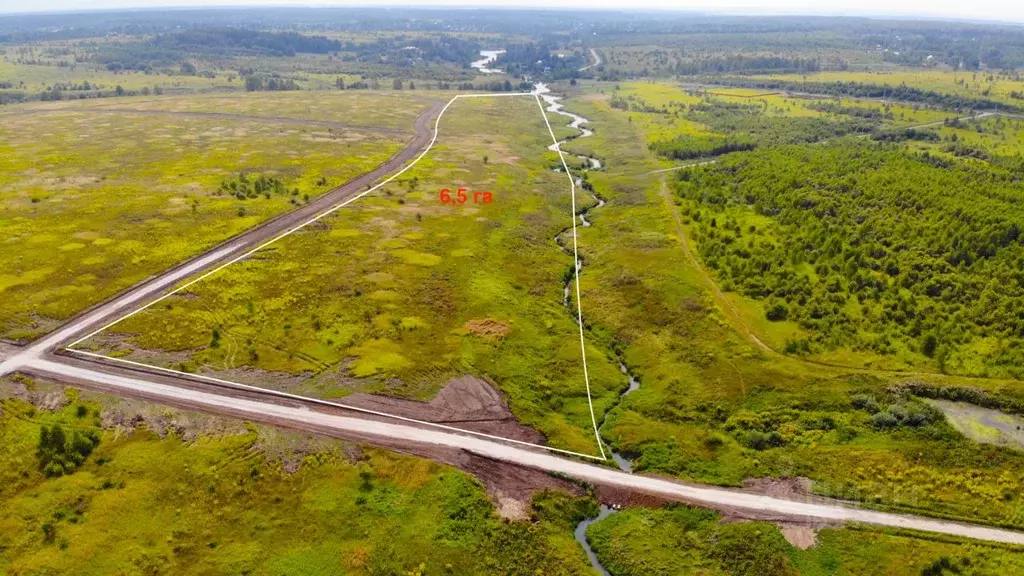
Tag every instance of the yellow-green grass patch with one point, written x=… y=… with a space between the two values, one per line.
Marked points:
x=117 y=198
x=385 y=310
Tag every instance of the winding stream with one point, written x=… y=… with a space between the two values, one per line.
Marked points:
x=488 y=57
x=577 y=122
x=581 y=536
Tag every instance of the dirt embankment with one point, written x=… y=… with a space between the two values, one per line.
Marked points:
x=467 y=402
x=511 y=488
x=7 y=349
x=798 y=532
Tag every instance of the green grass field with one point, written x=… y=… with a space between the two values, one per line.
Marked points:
x=992 y=86
x=38 y=78
x=386 y=109
x=223 y=503
x=397 y=293
x=93 y=203
x=684 y=540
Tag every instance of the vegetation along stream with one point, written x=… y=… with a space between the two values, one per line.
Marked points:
x=577 y=122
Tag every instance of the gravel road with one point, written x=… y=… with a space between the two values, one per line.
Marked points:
x=304 y=418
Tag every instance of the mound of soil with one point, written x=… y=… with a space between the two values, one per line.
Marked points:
x=466 y=402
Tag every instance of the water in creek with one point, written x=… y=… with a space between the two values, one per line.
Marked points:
x=488 y=57
x=581 y=537
x=577 y=122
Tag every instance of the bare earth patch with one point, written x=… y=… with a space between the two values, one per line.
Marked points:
x=466 y=402
x=983 y=424
x=802 y=536
x=487 y=327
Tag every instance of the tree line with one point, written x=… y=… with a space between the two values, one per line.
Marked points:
x=747 y=64
x=261 y=83
x=902 y=92
x=409 y=51
x=169 y=50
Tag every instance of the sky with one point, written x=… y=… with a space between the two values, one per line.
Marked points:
x=1005 y=10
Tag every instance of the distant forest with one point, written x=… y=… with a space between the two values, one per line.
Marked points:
x=970 y=46
x=166 y=50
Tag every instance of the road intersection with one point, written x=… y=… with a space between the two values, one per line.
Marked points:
x=43 y=358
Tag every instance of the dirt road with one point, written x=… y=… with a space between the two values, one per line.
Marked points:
x=369 y=430
x=96 y=316
x=596 y=62
x=720 y=297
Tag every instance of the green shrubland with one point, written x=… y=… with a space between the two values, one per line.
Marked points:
x=715 y=407
x=870 y=248
x=684 y=540
x=739 y=127
x=218 y=504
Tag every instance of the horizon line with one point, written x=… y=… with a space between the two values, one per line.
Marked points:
x=748 y=12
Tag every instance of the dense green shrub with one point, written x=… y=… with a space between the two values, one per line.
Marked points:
x=61 y=454
x=901 y=92
x=748 y=126
x=752 y=549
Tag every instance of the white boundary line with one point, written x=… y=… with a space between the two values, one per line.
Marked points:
x=576 y=267
x=437 y=124
x=272 y=392
x=292 y=230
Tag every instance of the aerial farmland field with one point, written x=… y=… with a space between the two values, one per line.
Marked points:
x=94 y=202
x=401 y=292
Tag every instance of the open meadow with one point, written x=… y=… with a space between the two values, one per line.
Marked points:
x=373 y=109
x=399 y=292
x=990 y=85
x=92 y=202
